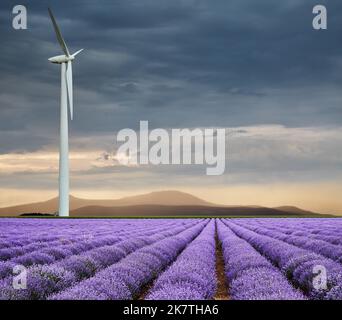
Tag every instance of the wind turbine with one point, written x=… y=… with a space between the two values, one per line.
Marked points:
x=66 y=97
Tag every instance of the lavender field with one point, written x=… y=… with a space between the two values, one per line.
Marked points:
x=181 y=259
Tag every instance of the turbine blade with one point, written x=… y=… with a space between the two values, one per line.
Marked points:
x=59 y=34
x=76 y=53
x=69 y=85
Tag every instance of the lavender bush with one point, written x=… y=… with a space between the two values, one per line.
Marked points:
x=86 y=264
x=124 y=280
x=296 y=263
x=192 y=276
x=250 y=275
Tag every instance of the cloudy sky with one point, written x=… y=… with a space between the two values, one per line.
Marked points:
x=256 y=68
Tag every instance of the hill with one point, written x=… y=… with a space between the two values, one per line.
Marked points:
x=180 y=211
x=154 y=204
x=167 y=198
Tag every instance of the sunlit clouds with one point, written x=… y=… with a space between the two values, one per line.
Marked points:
x=266 y=165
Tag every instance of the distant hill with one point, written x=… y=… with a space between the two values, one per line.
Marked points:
x=168 y=198
x=179 y=211
x=295 y=210
x=163 y=203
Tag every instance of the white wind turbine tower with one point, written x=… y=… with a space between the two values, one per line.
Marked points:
x=66 y=96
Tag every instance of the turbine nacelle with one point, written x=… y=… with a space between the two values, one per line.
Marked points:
x=61 y=59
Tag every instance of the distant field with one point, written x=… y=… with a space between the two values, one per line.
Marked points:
x=182 y=259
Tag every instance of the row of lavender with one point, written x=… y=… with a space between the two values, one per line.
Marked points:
x=296 y=261
x=47 y=278
x=264 y=259
x=124 y=280
x=250 y=275
x=280 y=271
x=21 y=232
x=327 y=245
x=48 y=252
x=192 y=276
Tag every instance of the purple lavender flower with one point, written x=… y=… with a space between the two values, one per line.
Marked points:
x=132 y=272
x=41 y=282
x=250 y=275
x=192 y=276
x=296 y=263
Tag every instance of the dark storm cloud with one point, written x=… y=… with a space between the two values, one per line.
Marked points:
x=175 y=63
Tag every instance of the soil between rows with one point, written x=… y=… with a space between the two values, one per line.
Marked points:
x=222 y=286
